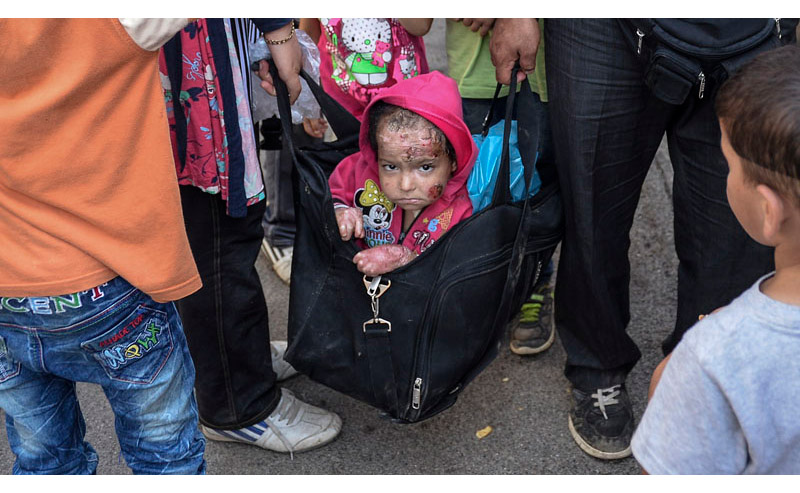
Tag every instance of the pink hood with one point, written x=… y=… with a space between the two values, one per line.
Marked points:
x=435 y=97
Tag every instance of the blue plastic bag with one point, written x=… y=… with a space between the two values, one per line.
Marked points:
x=484 y=175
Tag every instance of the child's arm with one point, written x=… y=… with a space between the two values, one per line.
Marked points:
x=311 y=27
x=350 y=221
x=416 y=26
x=382 y=259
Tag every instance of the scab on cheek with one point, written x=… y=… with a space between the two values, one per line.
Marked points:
x=435 y=191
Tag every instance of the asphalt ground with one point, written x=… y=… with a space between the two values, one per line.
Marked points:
x=524 y=399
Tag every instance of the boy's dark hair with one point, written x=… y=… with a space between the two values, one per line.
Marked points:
x=759 y=107
x=398 y=117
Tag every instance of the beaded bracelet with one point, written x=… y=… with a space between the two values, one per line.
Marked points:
x=281 y=41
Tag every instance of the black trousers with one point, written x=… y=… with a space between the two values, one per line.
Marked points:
x=226 y=322
x=607 y=127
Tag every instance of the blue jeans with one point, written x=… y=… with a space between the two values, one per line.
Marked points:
x=119 y=338
x=607 y=127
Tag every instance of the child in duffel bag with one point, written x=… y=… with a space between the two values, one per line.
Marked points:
x=407 y=185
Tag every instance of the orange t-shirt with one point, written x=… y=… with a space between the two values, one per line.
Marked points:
x=88 y=189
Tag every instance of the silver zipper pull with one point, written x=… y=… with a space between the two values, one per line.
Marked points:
x=702 y=78
x=416 y=393
x=778 y=26
x=641 y=37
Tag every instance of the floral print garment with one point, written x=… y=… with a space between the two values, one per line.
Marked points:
x=206 y=155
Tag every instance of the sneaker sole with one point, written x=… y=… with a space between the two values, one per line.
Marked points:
x=273 y=253
x=528 y=351
x=223 y=438
x=598 y=454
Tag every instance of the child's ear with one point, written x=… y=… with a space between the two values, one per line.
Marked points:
x=453 y=167
x=773 y=211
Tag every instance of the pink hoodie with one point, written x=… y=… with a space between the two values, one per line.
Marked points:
x=355 y=181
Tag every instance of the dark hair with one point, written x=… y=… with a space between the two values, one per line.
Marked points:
x=759 y=107
x=396 y=118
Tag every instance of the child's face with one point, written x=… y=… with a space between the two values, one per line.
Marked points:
x=413 y=167
x=742 y=195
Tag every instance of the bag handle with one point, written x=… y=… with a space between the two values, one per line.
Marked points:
x=341 y=121
x=527 y=134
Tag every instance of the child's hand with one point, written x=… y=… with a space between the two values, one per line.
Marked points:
x=350 y=221
x=315 y=127
x=382 y=259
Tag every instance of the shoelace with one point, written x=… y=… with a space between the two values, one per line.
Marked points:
x=287 y=411
x=530 y=310
x=606 y=397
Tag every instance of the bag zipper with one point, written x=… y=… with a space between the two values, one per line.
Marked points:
x=420 y=367
x=778 y=27
x=416 y=393
x=702 y=78
x=640 y=34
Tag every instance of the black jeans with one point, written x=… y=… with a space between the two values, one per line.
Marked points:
x=226 y=322
x=606 y=129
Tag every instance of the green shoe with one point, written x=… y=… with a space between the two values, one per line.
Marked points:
x=534 y=330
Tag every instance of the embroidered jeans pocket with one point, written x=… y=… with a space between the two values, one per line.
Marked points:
x=8 y=367
x=136 y=349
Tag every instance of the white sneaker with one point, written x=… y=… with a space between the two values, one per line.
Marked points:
x=280 y=366
x=281 y=259
x=294 y=426
x=283 y=267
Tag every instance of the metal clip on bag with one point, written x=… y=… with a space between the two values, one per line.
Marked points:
x=408 y=342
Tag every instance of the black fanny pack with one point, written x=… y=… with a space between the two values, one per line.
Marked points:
x=686 y=55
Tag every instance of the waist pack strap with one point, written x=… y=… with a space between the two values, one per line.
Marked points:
x=381 y=369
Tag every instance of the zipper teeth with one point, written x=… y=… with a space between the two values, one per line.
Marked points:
x=421 y=367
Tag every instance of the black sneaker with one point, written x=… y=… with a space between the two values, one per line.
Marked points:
x=601 y=421
x=534 y=330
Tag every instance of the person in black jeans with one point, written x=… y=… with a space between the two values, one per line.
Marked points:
x=226 y=322
x=607 y=126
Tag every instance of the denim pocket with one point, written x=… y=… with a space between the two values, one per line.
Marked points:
x=8 y=367
x=136 y=349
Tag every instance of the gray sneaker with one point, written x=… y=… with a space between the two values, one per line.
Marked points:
x=601 y=422
x=294 y=426
x=280 y=366
x=534 y=330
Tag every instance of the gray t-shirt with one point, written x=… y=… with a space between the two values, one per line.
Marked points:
x=729 y=399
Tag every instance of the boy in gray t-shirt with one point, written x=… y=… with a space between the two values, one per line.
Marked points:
x=727 y=400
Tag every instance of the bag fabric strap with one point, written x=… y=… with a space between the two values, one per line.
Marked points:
x=381 y=369
x=527 y=134
x=502 y=194
x=342 y=122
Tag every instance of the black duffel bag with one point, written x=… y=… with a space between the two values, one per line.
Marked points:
x=409 y=341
